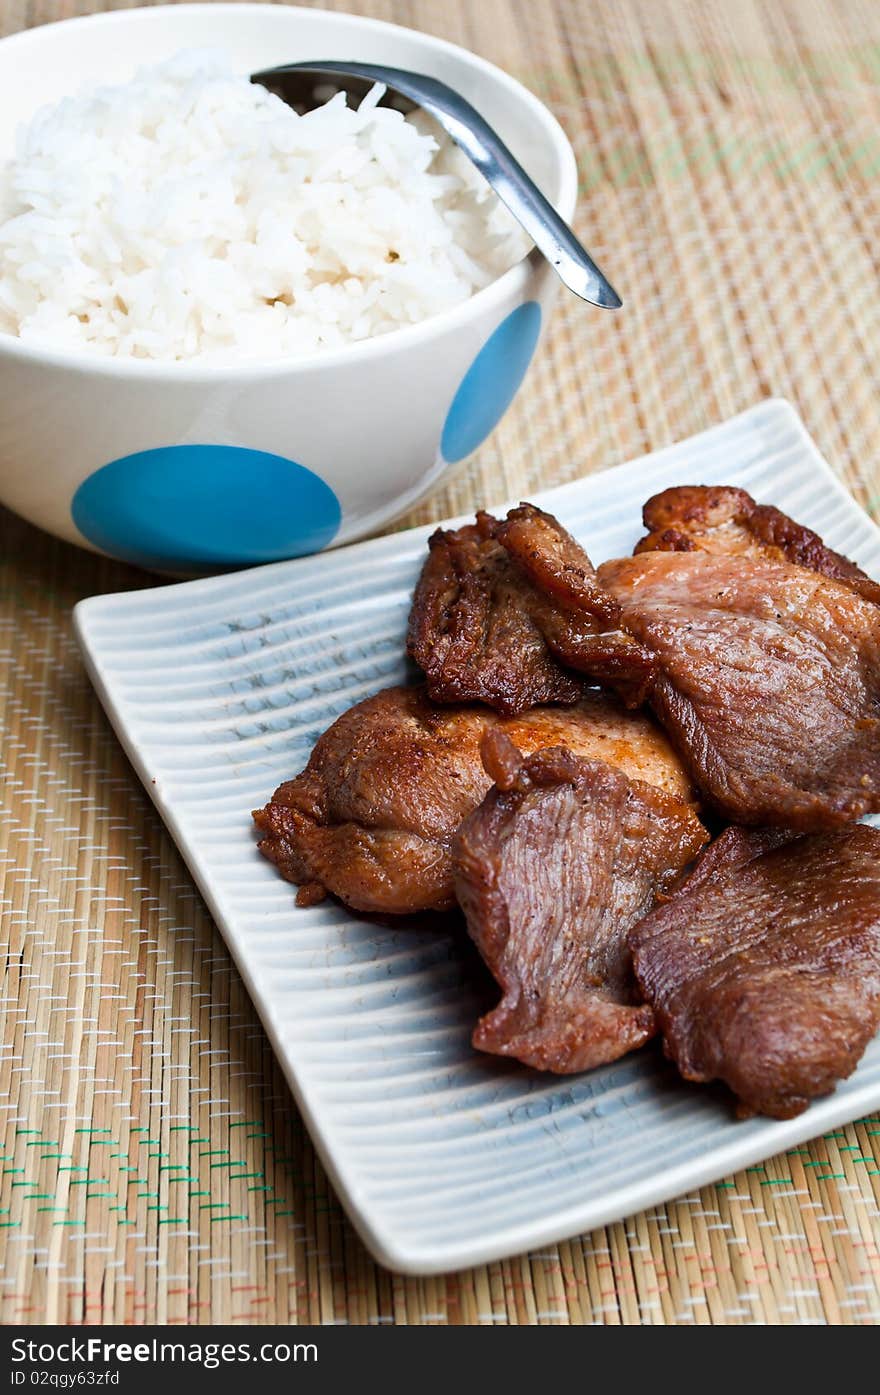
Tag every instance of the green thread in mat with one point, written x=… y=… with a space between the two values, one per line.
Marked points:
x=236 y=1169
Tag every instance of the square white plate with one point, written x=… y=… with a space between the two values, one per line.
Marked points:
x=443 y=1157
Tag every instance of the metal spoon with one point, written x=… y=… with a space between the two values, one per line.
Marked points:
x=296 y=83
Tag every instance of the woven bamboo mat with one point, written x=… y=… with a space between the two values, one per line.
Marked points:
x=154 y=1167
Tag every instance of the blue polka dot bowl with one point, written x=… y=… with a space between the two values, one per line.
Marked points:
x=189 y=468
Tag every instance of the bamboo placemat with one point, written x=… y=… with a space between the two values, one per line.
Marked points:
x=154 y=1167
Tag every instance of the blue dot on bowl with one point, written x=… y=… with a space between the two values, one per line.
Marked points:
x=195 y=507
x=491 y=382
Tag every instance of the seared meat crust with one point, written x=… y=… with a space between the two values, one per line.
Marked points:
x=764 y=968
x=562 y=857
x=579 y=620
x=472 y=630
x=504 y=611
x=726 y=520
x=769 y=679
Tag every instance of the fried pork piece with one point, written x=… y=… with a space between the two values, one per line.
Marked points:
x=504 y=611
x=726 y=520
x=372 y=816
x=769 y=671
x=578 y=618
x=472 y=631
x=764 y=970
x=562 y=857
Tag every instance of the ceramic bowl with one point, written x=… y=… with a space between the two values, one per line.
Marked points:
x=190 y=468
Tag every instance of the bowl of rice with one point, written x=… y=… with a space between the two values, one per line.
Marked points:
x=231 y=333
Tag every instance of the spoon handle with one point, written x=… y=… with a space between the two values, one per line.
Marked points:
x=549 y=232
x=485 y=148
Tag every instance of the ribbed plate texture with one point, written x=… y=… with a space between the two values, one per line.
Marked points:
x=218 y=689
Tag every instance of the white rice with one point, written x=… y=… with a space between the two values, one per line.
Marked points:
x=190 y=214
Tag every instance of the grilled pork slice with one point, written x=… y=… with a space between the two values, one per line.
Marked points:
x=580 y=620
x=726 y=520
x=510 y=614
x=768 y=652
x=372 y=816
x=764 y=967
x=563 y=856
